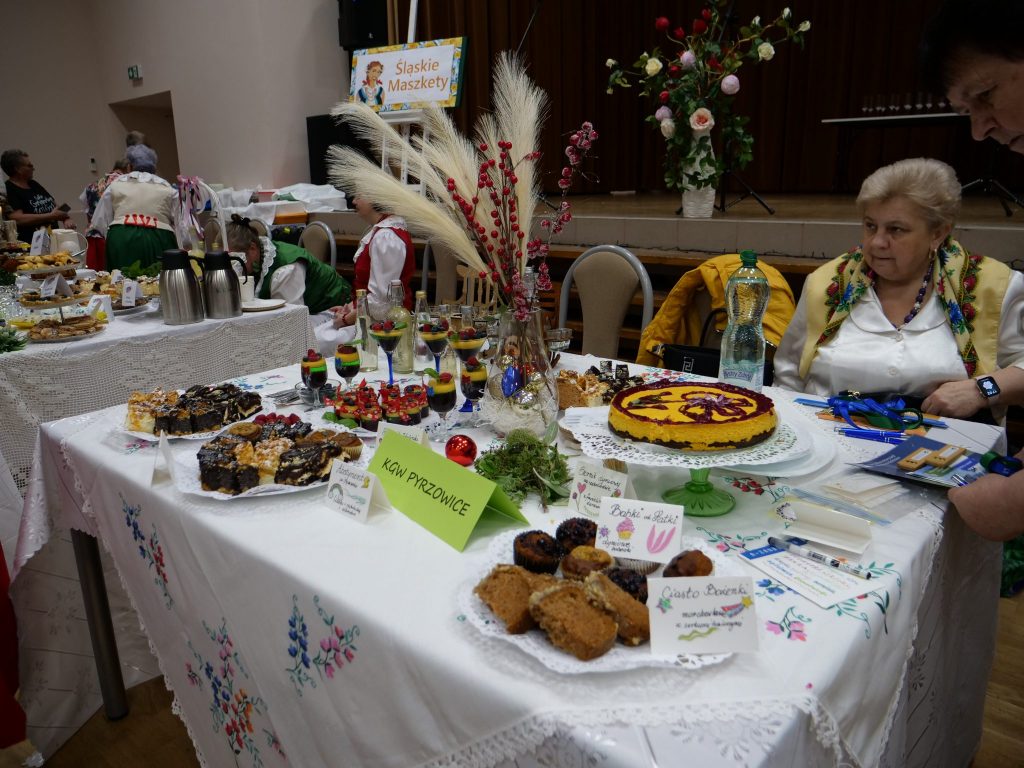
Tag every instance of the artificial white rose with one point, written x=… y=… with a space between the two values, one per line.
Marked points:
x=804 y=26
x=653 y=67
x=756 y=21
x=611 y=63
x=786 y=13
x=765 y=51
x=668 y=128
x=702 y=120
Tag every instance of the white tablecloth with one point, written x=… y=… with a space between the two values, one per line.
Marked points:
x=50 y=381
x=285 y=630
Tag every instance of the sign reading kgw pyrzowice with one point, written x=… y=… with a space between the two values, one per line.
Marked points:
x=412 y=76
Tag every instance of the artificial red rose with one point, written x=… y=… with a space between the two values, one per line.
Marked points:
x=699 y=27
x=679 y=33
x=663 y=96
x=706 y=14
x=661 y=23
x=714 y=64
x=674 y=71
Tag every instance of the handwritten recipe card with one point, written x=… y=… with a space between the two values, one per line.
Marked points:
x=642 y=530
x=713 y=614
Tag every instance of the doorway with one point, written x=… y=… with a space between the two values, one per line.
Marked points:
x=154 y=116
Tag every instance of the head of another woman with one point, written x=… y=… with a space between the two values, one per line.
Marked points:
x=907 y=210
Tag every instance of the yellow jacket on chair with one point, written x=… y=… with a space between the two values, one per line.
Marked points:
x=678 y=321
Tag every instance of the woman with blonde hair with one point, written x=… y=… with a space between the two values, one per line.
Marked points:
x=909 y=311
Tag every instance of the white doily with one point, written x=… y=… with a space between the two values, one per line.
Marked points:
x=535 y=643
x=590 y=427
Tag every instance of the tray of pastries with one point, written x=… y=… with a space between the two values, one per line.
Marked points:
x=33 y=300
x=574 y=607
x=49 y=330
x=47 y=263
x=272 y=454
x=198 y=413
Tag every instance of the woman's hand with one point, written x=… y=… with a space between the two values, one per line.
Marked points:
x=344 y=316
x=956 y=399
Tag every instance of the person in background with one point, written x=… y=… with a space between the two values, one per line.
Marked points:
x=137 y=213
x=973 y=50
x=135 y=137
x=384 y=253
x=31 y=205
x=910 y=311
x=293 y=274
x=91 y=194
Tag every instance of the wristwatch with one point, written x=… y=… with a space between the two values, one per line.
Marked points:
x=987 y=386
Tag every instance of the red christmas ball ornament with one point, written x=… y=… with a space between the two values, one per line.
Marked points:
x=461 y=449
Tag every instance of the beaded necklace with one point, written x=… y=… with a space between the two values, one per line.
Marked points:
x=920 y=298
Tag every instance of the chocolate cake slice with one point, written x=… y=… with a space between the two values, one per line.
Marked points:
x=246 y=404
x=304 y=466
x=172 y=419
x=205 y=415
x=220 y=468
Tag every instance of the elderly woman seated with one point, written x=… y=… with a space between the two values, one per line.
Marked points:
x=288 y=272
x=909 y=311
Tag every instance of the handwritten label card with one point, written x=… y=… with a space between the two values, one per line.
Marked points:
x=129 y=292
x=643 y=530
x=440 y=495
x=40 y=243
x=702 y=615
x=416 y=434
x=97 y=303
x=49 y=287
x=591 y=482
x=352 y=491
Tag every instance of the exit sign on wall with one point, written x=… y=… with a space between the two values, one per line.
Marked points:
x=134 y=72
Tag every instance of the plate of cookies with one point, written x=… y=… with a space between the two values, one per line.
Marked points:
x=571 y=606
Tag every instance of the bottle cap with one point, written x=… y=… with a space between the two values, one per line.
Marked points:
x=748 y=257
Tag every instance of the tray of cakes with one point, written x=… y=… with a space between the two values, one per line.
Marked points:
x=272 y=454
x=198 y=413
x=572 y=606
x=47 y=263
x=33 y=299
x=53 y=330
x=141 y=303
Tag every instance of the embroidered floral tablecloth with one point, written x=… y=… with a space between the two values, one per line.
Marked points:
x=290 y=635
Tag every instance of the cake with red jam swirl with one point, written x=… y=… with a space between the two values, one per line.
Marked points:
x=692 y=416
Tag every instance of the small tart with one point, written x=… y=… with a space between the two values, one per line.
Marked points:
x=583 y=561
x=576 y=532
x=537 y=551
x=692 y=562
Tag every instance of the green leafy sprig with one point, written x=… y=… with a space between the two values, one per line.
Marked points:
x=11 y=340
x=526 y=464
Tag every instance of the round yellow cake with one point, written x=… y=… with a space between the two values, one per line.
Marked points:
x=693 y=416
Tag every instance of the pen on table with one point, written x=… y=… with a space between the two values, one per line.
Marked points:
x=879 y=436
x=819 y=557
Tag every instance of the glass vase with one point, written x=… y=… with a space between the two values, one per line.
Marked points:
x=521 y=391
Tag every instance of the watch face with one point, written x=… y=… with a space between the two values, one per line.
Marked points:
x=988 y=386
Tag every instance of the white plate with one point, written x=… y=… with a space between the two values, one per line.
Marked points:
x=535 y=642
x=132 y=310
x=262 y=305
x=823 y=450
x=185 y=474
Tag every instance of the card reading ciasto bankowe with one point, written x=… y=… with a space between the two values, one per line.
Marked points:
x=440 y=495
x=641 y=530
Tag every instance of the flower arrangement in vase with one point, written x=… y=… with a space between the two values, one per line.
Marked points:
x=694 y=82
x=477 y=198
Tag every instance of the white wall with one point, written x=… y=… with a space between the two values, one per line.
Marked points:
x=243 y=76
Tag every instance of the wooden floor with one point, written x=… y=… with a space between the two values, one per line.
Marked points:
x=152 y=737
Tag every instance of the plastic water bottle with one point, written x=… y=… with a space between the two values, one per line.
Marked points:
x=746 y=298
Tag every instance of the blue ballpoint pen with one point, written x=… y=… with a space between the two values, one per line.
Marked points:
x=892 y=438
x=822 y=404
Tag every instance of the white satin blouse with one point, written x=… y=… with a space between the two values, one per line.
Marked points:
x=869 y=355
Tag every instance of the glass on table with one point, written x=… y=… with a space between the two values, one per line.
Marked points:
x=442 y=392
x=346 y=362
x=435 y=335
x=387 y=335
x=557 y=340
x=473 y=383
x=314 y=374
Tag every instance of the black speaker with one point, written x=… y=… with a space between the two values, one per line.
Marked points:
x=362 y=24
x=321 y=133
